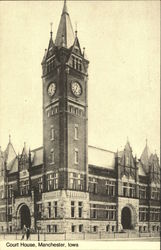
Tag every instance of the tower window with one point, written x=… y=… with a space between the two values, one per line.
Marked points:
x=76 y=156
x=52 y=134
x=76 y=111
x=56 y=109
x=52 y=181
x=52 y=156
x=76 y=132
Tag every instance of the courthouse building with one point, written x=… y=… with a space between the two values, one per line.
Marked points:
x=66 y=185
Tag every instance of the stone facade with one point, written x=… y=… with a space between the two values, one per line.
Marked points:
x=66 y=185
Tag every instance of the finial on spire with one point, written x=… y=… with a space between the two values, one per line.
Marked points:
x=127 y=139
x=65 y=7
x=146 y=141
x=76 y=31
x=84 y=51
x=9 y=138
x=51 y=29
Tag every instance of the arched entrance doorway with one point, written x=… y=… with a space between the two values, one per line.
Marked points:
x=25 y=217
x=126 y=218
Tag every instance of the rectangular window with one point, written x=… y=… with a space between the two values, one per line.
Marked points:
x=80 y=182
x=76 y=156
x=95 y=228
x=72 y=209
x=24 y=187
x=56 y=109
x=143 y=214
x=111 y=212
x=113 y=228
x=76 y=181
x=76 y=132
x=10 y=190
x=131 y=190
x=39 y=211
x=93 y=211
x=110 y=188
x=93 y=185
x=40 y=185
x=49 y=209
x=76 y=111
x=73 y=229
x=55 y=229
x=49 y=228
x=52 y=181
x=10 y=210
x=81 y=228
x=125 y=189
x=142 y=192
x=49 y=182
x=107 y=228
x=55 y=209
x=80 y=209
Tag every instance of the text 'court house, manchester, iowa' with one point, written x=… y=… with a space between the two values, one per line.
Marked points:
x=66 y=185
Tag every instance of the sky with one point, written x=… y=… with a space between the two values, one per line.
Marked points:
x=122 y=41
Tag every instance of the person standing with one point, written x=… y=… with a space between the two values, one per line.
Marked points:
x=24 y=232
x=27 y=233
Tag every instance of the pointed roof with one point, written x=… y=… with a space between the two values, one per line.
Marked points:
x=65 y=34
x=24 y=150
x=10 y=154
x=145 y=155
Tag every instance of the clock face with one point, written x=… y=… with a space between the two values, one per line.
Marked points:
x=76 y=88
x=51 y=89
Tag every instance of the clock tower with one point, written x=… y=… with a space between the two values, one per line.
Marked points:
x=65 y=110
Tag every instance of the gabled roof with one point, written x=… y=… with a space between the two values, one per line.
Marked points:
x=10 y=155
x=141 y=169
x=65 y=34
x=101 y=157
x=145 y=156
x=126 y=156
x=37 y=156
x=14 y=166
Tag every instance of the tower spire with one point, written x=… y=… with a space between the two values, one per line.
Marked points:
x=65 y=29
